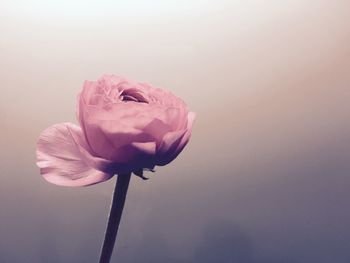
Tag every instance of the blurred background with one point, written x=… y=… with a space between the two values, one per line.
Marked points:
x=266 y=176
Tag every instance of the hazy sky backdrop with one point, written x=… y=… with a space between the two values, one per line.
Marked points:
x=266 y=176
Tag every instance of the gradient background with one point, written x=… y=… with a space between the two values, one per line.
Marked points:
x=265 y=178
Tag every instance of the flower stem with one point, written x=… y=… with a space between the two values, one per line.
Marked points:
x=115 y=214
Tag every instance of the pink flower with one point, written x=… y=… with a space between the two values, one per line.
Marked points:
x=125 y=126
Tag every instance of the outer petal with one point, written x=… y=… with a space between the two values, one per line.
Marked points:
x=170 y=142
x=174 y=144
x=190 y=120
x=61 y=160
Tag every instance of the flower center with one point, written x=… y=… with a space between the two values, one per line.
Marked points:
x=132 y=95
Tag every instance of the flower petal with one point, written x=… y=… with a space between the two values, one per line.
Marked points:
x=170 y=142
x=174 y=144
x=190 y=120
x=60 y=159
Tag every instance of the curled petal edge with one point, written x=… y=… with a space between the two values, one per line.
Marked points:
x=179 y=144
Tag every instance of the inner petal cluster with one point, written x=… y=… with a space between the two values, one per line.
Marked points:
x=133 y=94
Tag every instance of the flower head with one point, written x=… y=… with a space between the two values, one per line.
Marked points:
x=125 y=126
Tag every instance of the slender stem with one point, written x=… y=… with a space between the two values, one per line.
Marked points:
x=115 y=214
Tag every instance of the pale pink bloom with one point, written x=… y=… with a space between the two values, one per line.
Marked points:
x=125 y=126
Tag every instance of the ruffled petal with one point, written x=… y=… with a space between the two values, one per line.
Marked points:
x=61 y=160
